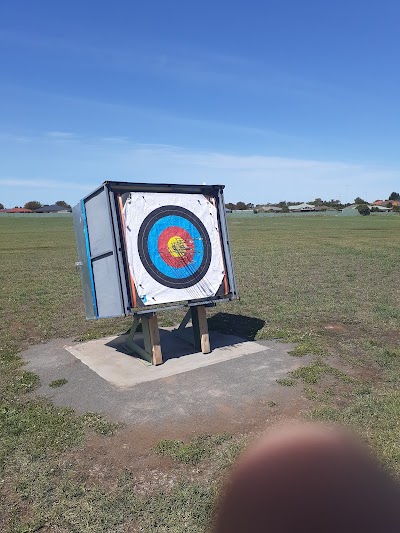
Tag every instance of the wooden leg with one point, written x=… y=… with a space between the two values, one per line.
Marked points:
x=200 y=328
x=203 y=326
x=155 y=344
x=151 y=338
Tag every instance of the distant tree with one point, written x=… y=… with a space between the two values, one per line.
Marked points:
x=61 y=203
x=359 y=200
x=285 y=209
x=363 y=209
x=1 y=206
x=230 y=205
x=33 y=204
x=250 y=206
x=317 y=202
x=396 y=208
x=337 y=204
x=389 y=205
x=241 y=206
x=394 y=196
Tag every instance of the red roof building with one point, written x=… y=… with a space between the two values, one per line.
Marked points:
x=385 y=202
x=16 y=210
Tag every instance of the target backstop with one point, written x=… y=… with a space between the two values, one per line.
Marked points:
x=144 y=247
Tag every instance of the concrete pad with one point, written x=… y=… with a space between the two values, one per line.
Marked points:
x=113 y=360
x=232 y=395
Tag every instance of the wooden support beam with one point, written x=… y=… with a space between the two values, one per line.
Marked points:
x=185 y=321
x=195 y=328
x=155 y=345
x=151 y=338
x=200 y=328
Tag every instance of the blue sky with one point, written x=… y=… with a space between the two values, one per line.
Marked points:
x=277 y=100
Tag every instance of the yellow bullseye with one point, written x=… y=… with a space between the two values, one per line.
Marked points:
x=177 y=246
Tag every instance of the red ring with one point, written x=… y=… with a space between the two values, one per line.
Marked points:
x=162 y=245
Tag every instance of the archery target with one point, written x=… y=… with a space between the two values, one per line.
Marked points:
x=173 y=246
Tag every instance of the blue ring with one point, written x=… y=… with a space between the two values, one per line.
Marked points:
x=154 y=254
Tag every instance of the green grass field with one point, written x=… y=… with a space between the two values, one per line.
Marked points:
x=330 y=284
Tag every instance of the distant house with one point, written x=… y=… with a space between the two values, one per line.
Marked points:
x=301 y=208
x=272 y=209
x=384 y=203
x=53 y=209
x=16 y=210
x=324 y=208
x=352 y=209
x=381 y=208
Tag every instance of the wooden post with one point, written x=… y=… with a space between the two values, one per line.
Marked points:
x=155 y=340
x=151 y=338
x=200 y=328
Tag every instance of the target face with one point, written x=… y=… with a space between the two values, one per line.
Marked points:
x=173 y=246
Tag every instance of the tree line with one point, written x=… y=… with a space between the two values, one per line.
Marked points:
x=242 y=206
x=318 y=202
x=34 y=204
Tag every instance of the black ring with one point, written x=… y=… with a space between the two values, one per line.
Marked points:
x=160 y=277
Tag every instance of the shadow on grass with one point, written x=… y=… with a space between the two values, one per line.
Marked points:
x=242 y=326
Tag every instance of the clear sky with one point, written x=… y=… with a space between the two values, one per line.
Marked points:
x=276 y=99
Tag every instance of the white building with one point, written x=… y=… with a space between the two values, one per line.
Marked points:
x=301 y=207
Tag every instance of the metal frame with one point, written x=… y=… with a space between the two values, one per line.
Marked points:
x=89 y=259
x=118 y=283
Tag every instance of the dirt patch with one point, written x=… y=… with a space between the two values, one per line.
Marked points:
x=359 y=331
x=391 y=337
x=131 y=449
x=336 y=327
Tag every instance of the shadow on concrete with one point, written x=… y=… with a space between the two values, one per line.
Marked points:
x=245 y=327
x=173 y=346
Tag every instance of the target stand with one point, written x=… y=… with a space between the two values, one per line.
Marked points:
x=145 y=248
x=197 y=335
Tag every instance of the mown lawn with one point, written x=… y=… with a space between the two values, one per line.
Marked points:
x=331 y=284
